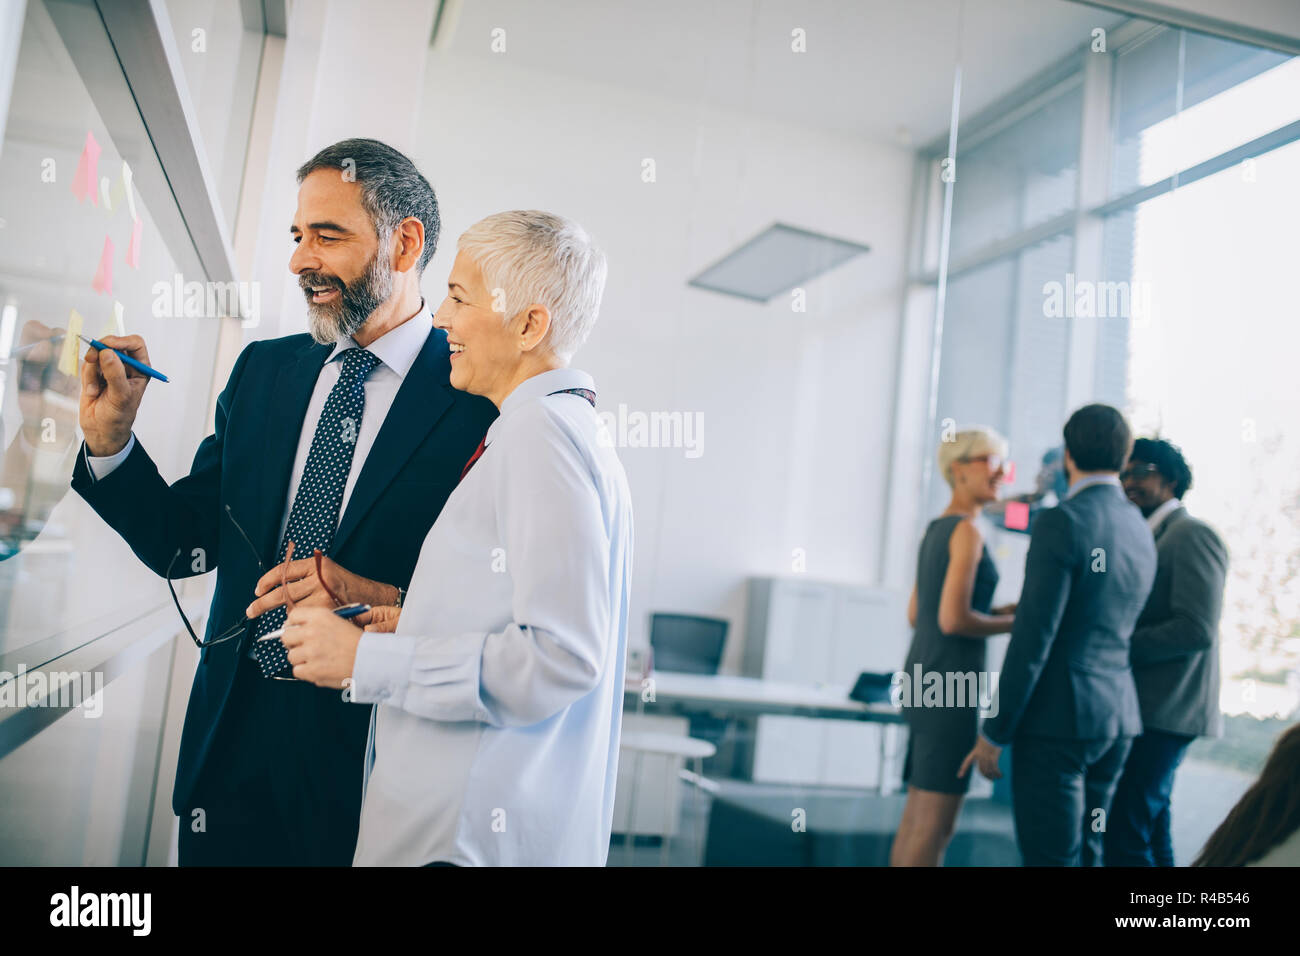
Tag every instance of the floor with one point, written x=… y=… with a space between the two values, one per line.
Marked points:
x=1203 y=794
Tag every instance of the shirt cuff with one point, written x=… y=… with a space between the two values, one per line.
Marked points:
x=437 y=679
x=102 y=465
x=990 y=740
x=382 y=668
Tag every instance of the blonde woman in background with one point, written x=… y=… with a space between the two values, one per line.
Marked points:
x=950 y=612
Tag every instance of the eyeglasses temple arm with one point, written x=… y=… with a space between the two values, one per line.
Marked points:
x=320 y=574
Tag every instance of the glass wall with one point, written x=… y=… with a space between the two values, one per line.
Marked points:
x=80 y=254
x=95 y=239
x=1141 y=303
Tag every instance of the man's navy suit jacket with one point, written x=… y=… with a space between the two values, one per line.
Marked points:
x=1066 y=674
x=430 y=432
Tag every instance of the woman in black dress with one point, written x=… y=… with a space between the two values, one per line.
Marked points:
x=951 y=614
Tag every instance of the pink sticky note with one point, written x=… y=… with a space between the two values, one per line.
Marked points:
x=1017 y=515
x=103 y=281
x=133 y=250
x=86 y=181
x=1009 y=470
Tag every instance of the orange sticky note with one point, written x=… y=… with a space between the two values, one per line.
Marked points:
x=1017 y=515
x=86 y=181
x=71 y=345
x=133 y=248
x=103 y=281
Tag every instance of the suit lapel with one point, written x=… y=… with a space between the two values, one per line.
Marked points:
x=419 y=403
x=289 y=400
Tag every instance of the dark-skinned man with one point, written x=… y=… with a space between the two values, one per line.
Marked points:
x=1175 y=654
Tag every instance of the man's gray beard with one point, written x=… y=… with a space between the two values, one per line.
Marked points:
x=356 y=304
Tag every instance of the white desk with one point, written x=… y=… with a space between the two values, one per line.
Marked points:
x=752 y=695
x=748 y=696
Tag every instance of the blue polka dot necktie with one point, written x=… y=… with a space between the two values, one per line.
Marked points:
x=315 y=514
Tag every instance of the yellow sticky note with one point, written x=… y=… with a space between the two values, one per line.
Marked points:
x=127 y=184
x=114 y=324
x=68 y=357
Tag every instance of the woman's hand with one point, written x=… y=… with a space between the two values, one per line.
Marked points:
x=322 y=646
x=1005 y=609
x=381 y=619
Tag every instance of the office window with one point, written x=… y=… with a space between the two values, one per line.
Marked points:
x=1213 y=370
x=1004 y=361
x=1181 y=98
x=1019 y=176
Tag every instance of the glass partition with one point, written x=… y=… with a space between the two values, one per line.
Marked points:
x=81 y=252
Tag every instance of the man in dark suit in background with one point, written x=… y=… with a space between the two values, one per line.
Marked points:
x=1175 y=655
x=348 y=440
x=1066 y=700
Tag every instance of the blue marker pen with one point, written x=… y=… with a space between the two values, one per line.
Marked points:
x=134 y=363
x=349 y=611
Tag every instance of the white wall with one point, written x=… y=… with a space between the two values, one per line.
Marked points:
x=796 y=406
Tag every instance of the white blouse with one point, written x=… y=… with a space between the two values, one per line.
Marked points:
x=495 y=739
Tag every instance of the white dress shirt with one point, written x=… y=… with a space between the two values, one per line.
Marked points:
x=496 y=737
x=1090 y=480
x=1156 y=518
x=396 y=350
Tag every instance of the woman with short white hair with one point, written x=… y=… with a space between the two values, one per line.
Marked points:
x=950 y=612
x=495 y=739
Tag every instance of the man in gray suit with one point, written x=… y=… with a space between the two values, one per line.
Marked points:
x=1066 y=699
x=1175 y=655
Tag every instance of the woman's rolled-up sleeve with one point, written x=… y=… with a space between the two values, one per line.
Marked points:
x=554 y=651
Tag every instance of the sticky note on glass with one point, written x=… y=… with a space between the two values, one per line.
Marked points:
x=114 y=325
x=133 y=248
x=128 y=182
x=103 y=281
x=121 y=190
x=1017 y=515
x=71 y=344
x=86 y=181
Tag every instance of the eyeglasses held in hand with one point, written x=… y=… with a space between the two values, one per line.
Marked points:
x=229 y=633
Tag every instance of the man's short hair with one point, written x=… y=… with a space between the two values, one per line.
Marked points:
x=529 y=256
x=392 y=189
x=1098 y=438
x=1168 y=459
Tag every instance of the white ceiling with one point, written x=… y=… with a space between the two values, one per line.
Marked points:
x=880 y=69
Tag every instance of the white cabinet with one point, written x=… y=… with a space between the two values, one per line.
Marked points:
x=819 y=632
